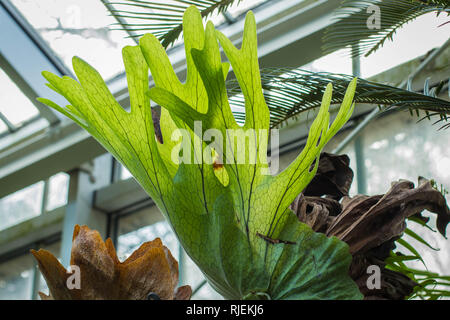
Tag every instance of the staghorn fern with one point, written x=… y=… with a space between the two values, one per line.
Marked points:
x=233 y=220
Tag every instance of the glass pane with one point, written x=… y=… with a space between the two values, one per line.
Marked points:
x=78 y=28
x=336 y=62
x=206 y=292
x=14 y=105
x=413 y=40
x=21 y=205
x=194 y=277
x=16 y=278
x=3 y=127
x=129 y=242
x=397 y=147
x=124 y=173
x=57 y=191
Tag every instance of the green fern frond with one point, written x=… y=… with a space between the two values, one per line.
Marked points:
x=163 y=19
x=430 y=285
x=352 y=30
x=289 y=93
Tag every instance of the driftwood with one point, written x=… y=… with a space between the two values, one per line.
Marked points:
x=370 y=225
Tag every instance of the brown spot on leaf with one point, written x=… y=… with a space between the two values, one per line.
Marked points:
x=217 y=162
x=217 y=166
x=156 y=116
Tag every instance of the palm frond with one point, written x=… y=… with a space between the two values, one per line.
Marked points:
x=290 y=92
x=161 y=18
x=430 y=285
x=352 y=29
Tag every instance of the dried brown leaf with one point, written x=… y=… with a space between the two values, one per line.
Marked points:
x=370 y=225
x=333 y=178
x=149 y=269
x=183 y=293
x=367 y=222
